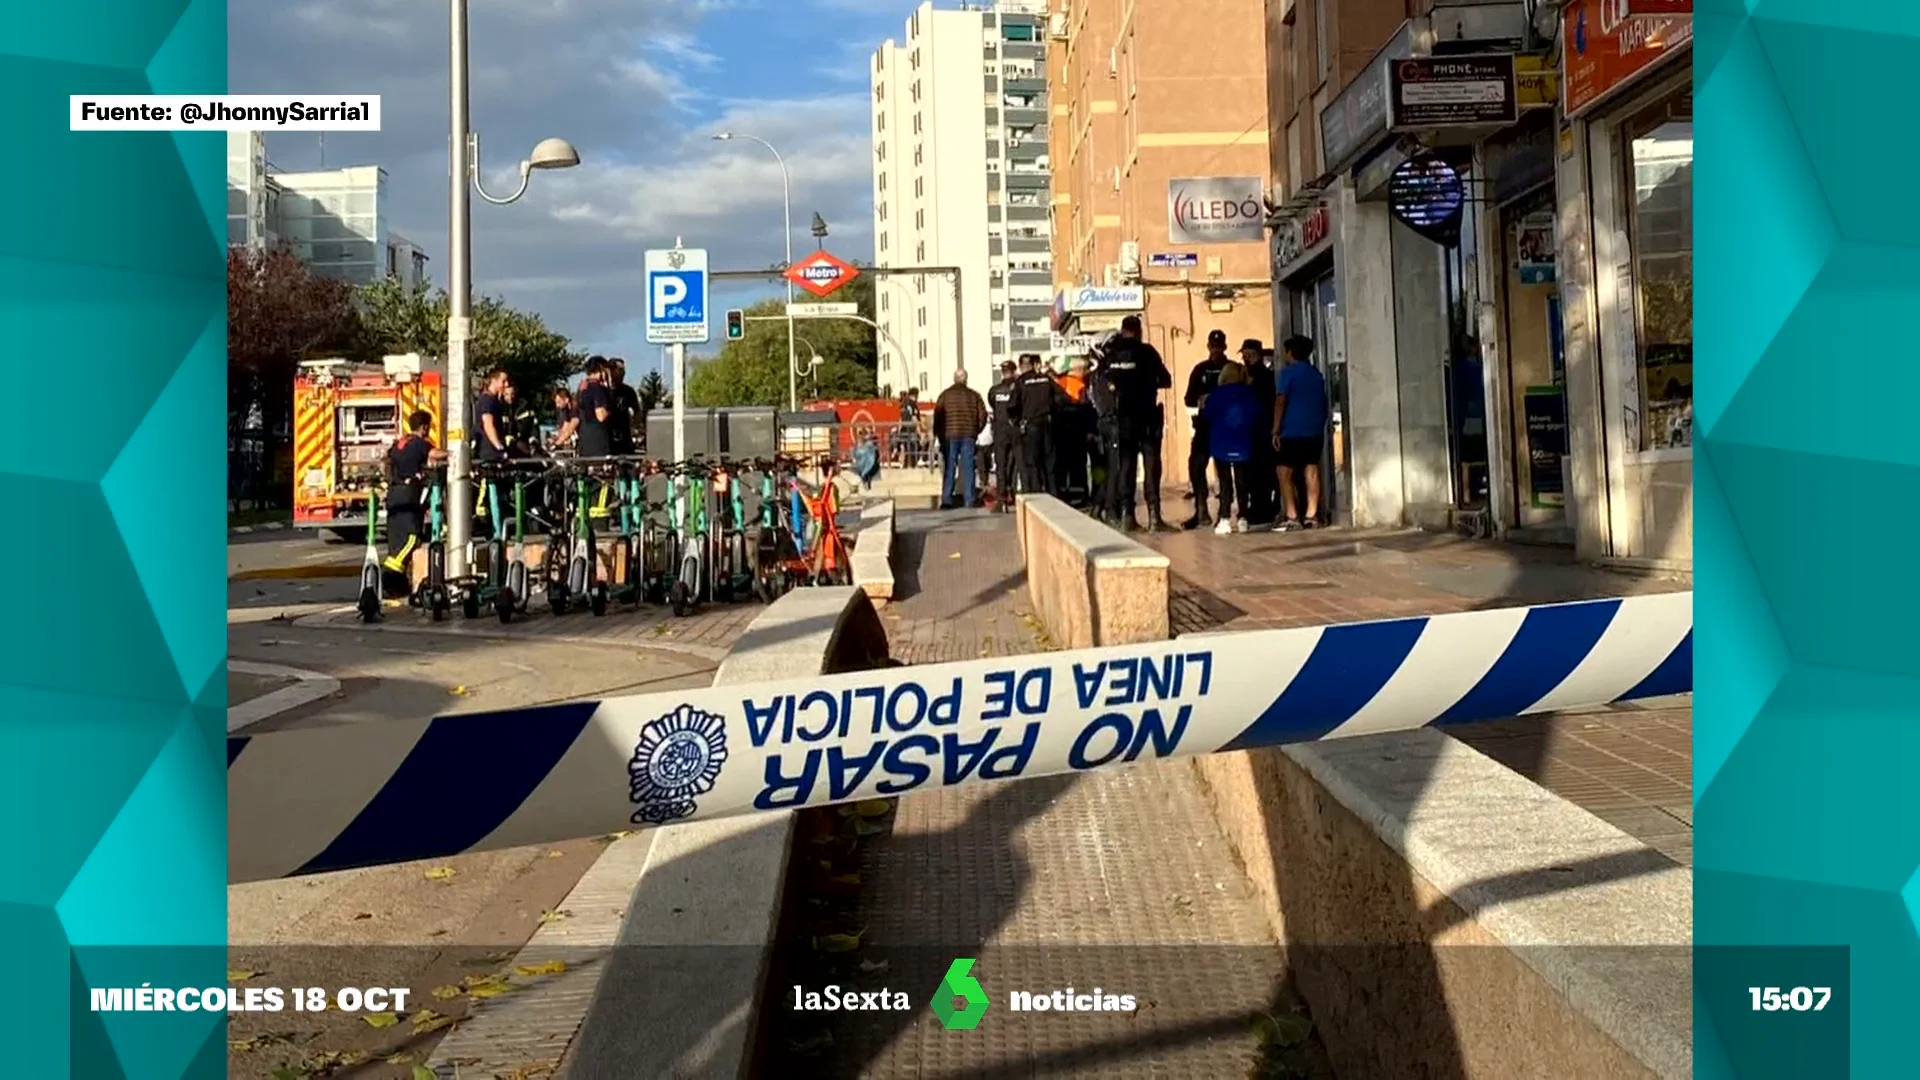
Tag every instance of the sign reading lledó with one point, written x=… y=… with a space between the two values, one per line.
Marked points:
x=1216 y=210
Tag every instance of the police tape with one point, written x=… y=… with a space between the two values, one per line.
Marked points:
x=330 y=798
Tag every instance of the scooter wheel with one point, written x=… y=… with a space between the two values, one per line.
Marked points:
x=504 y=605
x=681 y=598
x=369 y=605
x=597 y=600
x=440 y=605
x=557 y=598
x=723 y=591
x=470 y=605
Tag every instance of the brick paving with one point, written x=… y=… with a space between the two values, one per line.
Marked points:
x=1631 y=765
x=1120 y=880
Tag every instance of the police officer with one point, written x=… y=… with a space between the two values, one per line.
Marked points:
x=1258 y=360
x=1201 y=381
x=1106 y=415
x=1037 y=397
x=408 y=461
x=1137 y=374
x=1006 y=436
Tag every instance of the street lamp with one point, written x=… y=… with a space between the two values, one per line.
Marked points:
x=463 y=170
x=786 y=199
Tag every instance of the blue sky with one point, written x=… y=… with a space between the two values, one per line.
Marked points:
x=638 y=86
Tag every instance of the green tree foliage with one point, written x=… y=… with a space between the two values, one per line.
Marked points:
x=753 y=370
x=398 y=318
x=653 y=392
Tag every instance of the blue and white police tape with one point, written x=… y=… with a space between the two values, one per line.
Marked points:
x=328 y=798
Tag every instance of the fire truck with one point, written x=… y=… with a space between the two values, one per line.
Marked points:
x=345 y=416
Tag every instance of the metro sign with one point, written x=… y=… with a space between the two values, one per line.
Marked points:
x=821 y=273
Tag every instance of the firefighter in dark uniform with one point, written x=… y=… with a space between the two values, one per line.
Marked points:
x=1037 y=397
x=1201 y=381
x=408 y=461
x=1137 y=374
x=523 y=424
x=1006 y=437
x=627 y=412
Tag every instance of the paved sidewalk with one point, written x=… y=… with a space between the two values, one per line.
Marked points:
x=1631 y=765
x=1120 y=880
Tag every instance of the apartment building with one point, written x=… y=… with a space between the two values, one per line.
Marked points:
x=961 y=174
x=334 y=219
x=1161 y=169
x=1533 y=378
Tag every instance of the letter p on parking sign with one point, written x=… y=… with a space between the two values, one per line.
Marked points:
x=676 y=284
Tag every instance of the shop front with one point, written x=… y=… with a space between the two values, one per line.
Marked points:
x=1625 y=216
x=1307 y=304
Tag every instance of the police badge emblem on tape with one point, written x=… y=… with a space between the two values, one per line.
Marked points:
x=679 y=757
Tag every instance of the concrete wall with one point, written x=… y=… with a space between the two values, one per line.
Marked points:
x=1089 y=584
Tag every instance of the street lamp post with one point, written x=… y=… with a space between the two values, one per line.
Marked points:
x=463 y=169
x=786 y=200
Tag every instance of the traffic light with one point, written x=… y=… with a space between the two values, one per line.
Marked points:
x=736 y=324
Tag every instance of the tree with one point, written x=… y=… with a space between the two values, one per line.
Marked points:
x=279 y=312
x=653 y=392
x=400 y=318
x=753 y=370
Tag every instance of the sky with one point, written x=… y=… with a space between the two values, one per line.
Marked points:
x=639 y=87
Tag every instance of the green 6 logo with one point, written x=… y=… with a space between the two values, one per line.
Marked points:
x=960 y=1003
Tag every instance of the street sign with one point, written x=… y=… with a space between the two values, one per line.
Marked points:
x=1426 y=92
x=315 y=799
x=1173 y=259
x=676 y=286
x=821 y=273
x=817 y=311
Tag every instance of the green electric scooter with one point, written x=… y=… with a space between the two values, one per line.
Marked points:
x=372 y=569
x=435 y=596
x=504 y=588
x=629 y=583
x=582 y=576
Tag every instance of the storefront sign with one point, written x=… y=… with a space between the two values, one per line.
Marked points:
x=1536 y=84
x=1427 y=195
x=1125 y=298
x=1534 y=242
x=1357 y=118
x=1216 y=210
x=1430 y=92
x=1615 y=12
x=1546 y=415
x=1297 y=237
x=1600 y=60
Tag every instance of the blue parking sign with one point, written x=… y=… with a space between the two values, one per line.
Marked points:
x=676 y=286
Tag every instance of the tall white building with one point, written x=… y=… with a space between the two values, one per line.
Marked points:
x=961 y=179
x=334 y=219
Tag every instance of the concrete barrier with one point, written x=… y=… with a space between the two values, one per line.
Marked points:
x=665 y=977
x=1090 y=584
x=1442 y=913
x=873 y=551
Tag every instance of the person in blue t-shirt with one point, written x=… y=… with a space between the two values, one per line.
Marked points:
x=1231 y=414
x=1299 y=430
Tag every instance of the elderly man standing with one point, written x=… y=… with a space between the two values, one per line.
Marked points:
x=959 y=416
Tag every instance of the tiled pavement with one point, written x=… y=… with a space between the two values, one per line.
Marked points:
x=1116 y=879
x=1631 y=765
x=707 y=633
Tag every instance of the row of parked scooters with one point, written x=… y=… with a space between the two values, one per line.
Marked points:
x=625 y=531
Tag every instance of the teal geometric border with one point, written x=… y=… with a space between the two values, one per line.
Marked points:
x=1807 y=500
x=112 y=472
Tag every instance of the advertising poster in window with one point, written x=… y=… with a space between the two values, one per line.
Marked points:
x=1534 y=242
x=1546 y=417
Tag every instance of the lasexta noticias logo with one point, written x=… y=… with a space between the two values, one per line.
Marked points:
x=960 y=1002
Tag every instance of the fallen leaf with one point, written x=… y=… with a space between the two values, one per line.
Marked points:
x=440 y=873
x=556 y=854
x=401 y=1059
x=955 y=555
x=363 y=915
x=446 y=993
x=839 y=943
x=873 y=808
x=380 y=1020
x=545 y=967
x=240 y=976
x=427 y=1020
x=241 y=1046
x=283 y=1071
x=458 y=691
x=612 y=836
x=865 y=827
x=420 y=1072
x=554 y=916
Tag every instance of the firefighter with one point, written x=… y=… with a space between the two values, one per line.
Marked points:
x=1137 y=374
x=1037 y=399
x=1074 y=429
x=1006 y=436
x=566 y=417
x=492 y=430
x=523 y=424
x=1201 y=382
x=627 y=413
x=408 y=461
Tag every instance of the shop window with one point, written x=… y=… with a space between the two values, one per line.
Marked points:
x=1660 y=231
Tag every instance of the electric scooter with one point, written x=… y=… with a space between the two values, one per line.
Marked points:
x=630 y=569
x=434 y=595
x=504 y=586
x=688 y=498
x=582 y=566
x=372 y=570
